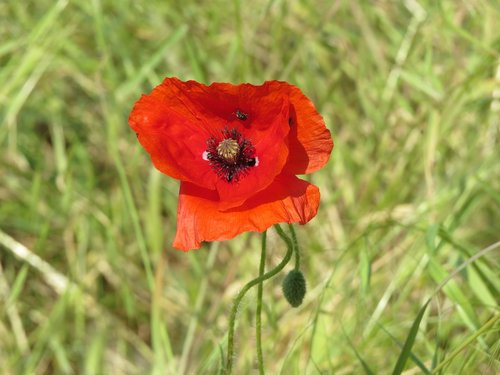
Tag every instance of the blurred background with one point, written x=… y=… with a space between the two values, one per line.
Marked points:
x=89 y=283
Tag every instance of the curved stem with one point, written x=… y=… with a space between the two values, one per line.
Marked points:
x=246 y=288
x=258 y=312
x=295 y=246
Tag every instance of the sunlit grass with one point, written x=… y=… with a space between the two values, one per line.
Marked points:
x=410 y=91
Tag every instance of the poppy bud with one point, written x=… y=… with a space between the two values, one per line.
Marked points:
x=294 y=288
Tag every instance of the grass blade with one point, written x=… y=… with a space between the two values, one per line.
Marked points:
x=405 y=353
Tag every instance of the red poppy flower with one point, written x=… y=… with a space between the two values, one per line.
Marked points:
x=236 y=150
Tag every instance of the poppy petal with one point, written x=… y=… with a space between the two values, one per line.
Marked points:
x=174 y=132
x=199 y=218
x=310 y=142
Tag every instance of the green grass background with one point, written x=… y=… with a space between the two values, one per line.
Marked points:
x=89 y=283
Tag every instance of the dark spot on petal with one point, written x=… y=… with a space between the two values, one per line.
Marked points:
x=251 y=162
x=241 y=116
x=290 y=121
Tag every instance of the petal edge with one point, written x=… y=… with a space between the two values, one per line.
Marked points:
x=199 y=218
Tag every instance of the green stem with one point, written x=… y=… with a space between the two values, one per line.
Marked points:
x=258 y=312
x=246 y=288
x=295 y=246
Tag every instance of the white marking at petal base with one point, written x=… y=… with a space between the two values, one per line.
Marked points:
x=256 y=162
x=204 y=156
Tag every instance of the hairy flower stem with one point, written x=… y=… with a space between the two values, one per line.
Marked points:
x=295 y=246
x=258 y=312
x=246 y=288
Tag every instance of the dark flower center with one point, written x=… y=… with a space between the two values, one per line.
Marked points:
x=230 y=155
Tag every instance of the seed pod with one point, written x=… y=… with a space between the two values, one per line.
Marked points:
x=294 y=288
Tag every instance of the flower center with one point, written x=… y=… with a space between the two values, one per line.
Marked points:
x=228 y=149
x=231 y=155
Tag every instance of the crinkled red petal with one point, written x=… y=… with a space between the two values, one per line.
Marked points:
x=199 y=217
x=174 y=132
x=310 y=142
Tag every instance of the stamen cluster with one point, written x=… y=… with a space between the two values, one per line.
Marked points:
x=227 y=160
